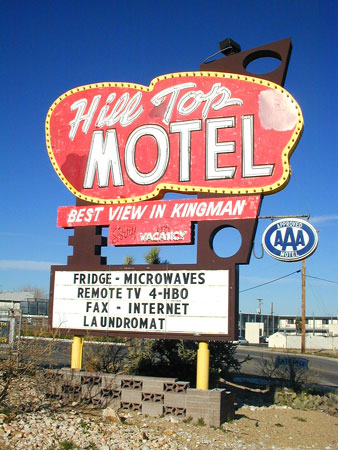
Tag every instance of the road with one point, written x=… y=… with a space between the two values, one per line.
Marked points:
x=324 y=370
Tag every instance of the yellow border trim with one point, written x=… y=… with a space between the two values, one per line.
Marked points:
x=161 y=188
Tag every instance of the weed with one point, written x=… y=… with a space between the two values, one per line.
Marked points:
x=67 y=445
x=84 y=425
x=225 y=430
x=200 y=422
x=278 y=425
x=187 y=419
x=300 y=419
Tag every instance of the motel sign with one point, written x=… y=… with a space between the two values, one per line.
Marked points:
x=220 y=135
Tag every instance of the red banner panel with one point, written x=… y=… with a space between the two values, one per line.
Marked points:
x=187 y=132
x=150 y=233
x=193 y=210
x=157 y=222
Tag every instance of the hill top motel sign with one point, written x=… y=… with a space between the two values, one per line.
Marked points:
x=220 y=134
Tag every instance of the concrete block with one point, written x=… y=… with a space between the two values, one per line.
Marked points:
x=98 y=402
x=147 y=397
x=110 y=402
x=152 y=397
x=197 y=395
x=197 y=416
x=152 y=409
x=175 y=399
x=69 y=374
x=227 y=406
x=137 y=384
x=131 y=406
x=206 y=405
x=215 y=410
x=181 y=386
x=159 y=379
x=154 y=386
x=158 y=398
x=131 y=396
x=110 y=381
x=89 y=378
x=174 y=411
x=105 y=392
x=194 y=406
x=90 y=391
x=178 y=386
x=213 y=420
x=215 y=395
x=197 y=406
x=125 y=405
x=131 y=383
x=73 y=380
x=110 y=393
x=71 y=389
x=199 y=412
x=198 y=392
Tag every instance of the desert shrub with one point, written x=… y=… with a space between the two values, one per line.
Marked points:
x=177 y=359
x=223 y=363
x=289 y=374
x=162 y=358
x=105 y=357
x=20 y=367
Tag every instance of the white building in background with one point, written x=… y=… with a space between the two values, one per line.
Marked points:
x=265 y=325
x=23 y=301
x=316 y=325
x=11 y=300
x=254 y=331
x=327 y=341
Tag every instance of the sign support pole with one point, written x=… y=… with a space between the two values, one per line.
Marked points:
x=202 y=377
x=303 y=307
x=76 y=358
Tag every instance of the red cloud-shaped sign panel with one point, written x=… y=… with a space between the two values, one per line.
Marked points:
x=186 y=132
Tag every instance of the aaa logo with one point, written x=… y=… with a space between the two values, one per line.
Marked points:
x=290 y=240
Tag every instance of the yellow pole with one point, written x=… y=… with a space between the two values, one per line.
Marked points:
x=303 y=308
x=202 y=377
x=76 y=358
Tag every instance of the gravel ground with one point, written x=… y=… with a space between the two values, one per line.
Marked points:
x=33 y=421
x=270 y=427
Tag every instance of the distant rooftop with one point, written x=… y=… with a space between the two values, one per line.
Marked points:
x=16 y=296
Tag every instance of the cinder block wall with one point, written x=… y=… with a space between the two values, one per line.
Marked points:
x=150 y=395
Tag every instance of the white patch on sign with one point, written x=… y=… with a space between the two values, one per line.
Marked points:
x=276 y=112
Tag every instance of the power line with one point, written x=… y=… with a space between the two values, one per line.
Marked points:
x=322 y=279
x=272 y=281
x=289 y=274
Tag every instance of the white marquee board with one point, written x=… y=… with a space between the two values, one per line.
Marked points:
x=177 y=301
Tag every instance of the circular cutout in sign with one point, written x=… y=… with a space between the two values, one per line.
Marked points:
x=290 y=239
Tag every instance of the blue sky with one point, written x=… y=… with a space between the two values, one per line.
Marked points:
x=51 y=47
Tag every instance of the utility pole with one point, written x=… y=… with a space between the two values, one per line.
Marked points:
x=303 y=307
x=273 y=320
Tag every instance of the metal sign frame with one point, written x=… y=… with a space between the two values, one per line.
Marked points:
x=88 y=241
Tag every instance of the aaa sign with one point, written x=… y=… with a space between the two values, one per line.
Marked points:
x=190 y=132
